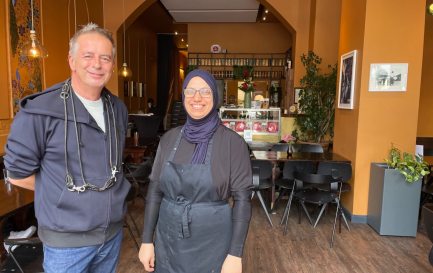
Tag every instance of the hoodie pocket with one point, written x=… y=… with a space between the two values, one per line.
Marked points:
x=82 y=211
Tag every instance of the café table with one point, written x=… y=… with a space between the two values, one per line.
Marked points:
x=278 y=157
x=259 y=145
x=12 y=200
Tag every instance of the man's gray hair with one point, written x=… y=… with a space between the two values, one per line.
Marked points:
x=90 y=28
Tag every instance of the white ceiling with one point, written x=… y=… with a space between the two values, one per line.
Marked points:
x=212 y=11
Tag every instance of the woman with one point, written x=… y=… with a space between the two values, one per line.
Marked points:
x=197 y=167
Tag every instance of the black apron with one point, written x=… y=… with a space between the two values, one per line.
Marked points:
x=194 y=227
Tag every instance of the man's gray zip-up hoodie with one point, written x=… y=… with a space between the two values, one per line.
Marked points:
x=36 y=145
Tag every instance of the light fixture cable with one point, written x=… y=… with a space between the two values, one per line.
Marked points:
x=33 y=48
x=125 y=72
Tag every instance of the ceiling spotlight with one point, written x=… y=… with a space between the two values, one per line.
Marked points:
x=266 y=11
x=182 y=39
x=264 y=18
x=176 y=33
x=186 y=45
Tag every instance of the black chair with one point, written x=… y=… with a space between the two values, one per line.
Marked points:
x=2 y=167
x=342 y=170
x=427 y=185
x=27 y=257
x=138 y=177
x=313 y=196
x=262 y=180
x=285 y=183
x=280 y=147
x=307 y=148
x=139 y=174
x=427 y=215
x=147 y=128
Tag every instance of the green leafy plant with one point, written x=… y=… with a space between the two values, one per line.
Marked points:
x=242 y=71
x=190 y=68
x=411 y=167
x=316 y=100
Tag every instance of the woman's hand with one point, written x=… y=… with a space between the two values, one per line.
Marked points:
x=147 y=257
x=232 y=264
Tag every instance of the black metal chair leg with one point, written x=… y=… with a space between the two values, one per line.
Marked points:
x=430 y=256
x=264 y=208
x=128 y=227
x=287 y=208
x=333 y=228
x=289 y=203
x=320 y=214
x=15 y=260
x=307 y=213
x=134 y=224
x=280 y=194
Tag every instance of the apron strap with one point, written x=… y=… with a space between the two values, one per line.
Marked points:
x=176 y=144
x=185 y=221
x=186 y=218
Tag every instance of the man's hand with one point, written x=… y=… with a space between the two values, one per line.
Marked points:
x=147 y=257
x=26 y=183
x=232 y=264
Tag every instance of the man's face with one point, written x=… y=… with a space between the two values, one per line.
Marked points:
x=91 y=62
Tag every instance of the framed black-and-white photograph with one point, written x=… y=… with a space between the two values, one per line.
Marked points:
x=346 y=88
x=296 y=94
x=389 y=77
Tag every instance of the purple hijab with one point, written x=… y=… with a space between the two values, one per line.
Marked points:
x=200 y=131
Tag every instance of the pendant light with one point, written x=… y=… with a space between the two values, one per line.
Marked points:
x=124 y=71
x=33 y=48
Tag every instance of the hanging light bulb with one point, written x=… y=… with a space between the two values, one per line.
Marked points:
x=33 y=48
x=124 y=71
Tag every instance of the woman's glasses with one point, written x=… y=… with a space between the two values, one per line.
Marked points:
x=204 y=92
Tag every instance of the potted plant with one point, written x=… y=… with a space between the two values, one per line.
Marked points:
x=394 y=193
x=316 y=100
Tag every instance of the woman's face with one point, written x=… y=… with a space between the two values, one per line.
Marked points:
x=198 y=106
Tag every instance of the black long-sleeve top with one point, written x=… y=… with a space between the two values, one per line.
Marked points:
x=231 y=175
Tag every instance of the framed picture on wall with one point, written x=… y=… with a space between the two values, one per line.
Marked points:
x=346 y=87
x=388 y=77
x=296 y=94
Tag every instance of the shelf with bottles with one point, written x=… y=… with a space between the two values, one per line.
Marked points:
x=221 y=65
x=259 y=121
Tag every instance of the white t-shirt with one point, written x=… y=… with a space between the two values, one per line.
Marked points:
x=96 y=110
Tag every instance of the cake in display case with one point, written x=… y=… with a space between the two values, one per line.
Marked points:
x=264 y=124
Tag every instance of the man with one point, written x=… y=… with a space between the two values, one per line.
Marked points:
x=66 y=144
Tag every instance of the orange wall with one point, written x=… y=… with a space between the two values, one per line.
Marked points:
x=320 y=34
x=327 y=31
x=5 y=90
x=365 y=134
x=425 y=116
x=56 y=35
x=346 y=121
x=295 y=16
x=239 y=37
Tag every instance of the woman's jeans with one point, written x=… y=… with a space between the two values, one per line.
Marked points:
x=89 y=259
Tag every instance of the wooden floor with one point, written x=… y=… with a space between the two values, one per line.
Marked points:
x=306 y=249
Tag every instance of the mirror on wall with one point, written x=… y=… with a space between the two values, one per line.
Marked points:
x=235 y=96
